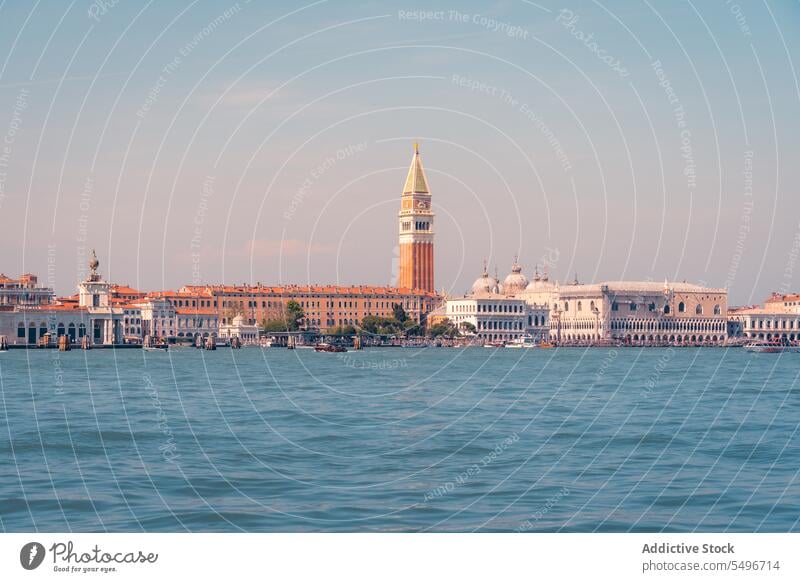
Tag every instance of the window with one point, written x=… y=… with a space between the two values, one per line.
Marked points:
x=632 y=306
x=651 y=307
x=566 y=305
x=666 y=309
x=591 y=305
x=580 y=306
x=717 y=310
x=681 y=307
x=21 y=330
x=614 y=306
x=698 y=310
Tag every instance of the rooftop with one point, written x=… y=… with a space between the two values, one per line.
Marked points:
x=644 y=287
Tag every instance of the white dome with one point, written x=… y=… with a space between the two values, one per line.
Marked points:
x=540 y=283
x=515 y=282
x=485 y=284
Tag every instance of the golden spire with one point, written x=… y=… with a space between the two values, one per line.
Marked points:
x=416 y=181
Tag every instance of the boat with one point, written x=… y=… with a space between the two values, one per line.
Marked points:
x=324 y=347
x=523 y=341
x=156 y=348
x=494 y=344
x=153 y=345
x=768 y=347
x=546 y=345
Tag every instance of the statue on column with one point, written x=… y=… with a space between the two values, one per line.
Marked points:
x=93 y=264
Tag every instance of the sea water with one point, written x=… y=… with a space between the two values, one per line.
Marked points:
x=393 y=439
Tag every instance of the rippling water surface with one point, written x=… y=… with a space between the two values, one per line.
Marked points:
x=400 y=440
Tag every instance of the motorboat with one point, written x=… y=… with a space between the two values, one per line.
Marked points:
x=156 y=348
x=325 y=347
x=151 y=344
x=767 y=347
x=523 y=341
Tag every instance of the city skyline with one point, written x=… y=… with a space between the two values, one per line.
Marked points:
x=129 y=128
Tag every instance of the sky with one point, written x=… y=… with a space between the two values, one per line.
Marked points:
x=206 y=142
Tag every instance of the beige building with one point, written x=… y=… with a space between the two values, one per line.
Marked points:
x=28 y=312
x=499 y=312
x=640 y=312
x=325 y=306
x=778 y=318
x=238 y=328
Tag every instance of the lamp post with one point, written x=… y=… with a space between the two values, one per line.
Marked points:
x=557 y=315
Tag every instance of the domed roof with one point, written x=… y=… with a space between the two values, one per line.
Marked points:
x=515 y=282
x=485 y=283
x=539 y=283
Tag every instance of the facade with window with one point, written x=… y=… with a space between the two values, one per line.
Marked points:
x=325 y=307
x=29 y=314
x=238 y=328
x=158 y=317
x=497 y=315
x=493 y=317
x=131 y=321
x=196 y=321
x=777 y=319
x=640 y=313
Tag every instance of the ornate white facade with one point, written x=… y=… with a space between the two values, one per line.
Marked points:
x=630 y=312
x=639 y=312
x=778 y=319
x=499 y=312
x=28 y=312
x=238 y=328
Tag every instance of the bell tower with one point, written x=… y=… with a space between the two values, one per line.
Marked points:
x=416 y=229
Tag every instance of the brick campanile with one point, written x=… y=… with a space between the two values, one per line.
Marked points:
x=416 y=229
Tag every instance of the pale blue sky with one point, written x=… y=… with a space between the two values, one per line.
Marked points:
x=146 y=103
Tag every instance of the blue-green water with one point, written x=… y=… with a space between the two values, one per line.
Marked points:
x=400 y=440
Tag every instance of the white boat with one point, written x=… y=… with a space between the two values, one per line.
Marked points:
x=764 y=347
x=523 y=341
x=157 y=347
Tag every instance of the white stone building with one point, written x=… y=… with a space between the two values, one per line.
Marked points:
x=777 y=319
x=496 y=315
x=639 y=312
x=29 y=312
x=158 y=317
x=196 y=321
x=248 y=333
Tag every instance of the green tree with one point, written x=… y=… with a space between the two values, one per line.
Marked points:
x=343 y=330
x=444 y=328
x=288 y=319
x=468 y=326
x=412 y=329
x=377 y=325
x=399 y=313
x=273 y=325
x=294 y=315
x=371 y=324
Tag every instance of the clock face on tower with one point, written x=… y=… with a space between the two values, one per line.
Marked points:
x=416 y=230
